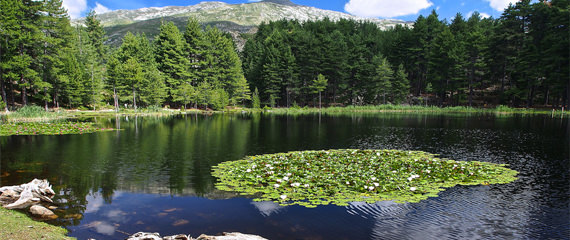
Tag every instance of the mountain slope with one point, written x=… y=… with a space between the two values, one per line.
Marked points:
x=237 y=18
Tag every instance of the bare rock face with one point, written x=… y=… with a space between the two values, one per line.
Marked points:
x=42 y=212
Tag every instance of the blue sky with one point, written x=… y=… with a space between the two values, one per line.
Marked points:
x=396 y=9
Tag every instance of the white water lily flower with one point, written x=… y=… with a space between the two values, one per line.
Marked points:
x=347 y=183
x=306 y=185
x=428 y=171
x=378 y=154
x=413 y=189
x=283 y=197
x=289 y=174
x=371 y=188
x=410 y=178
x=394 y=171
x=295 y=184
x=286 y=178
x=267 y=165
x=376 y=184
x=276 y=185
x=248 y=170
x=253 y=166
x=271 y=168
x=258 y=176
x=373 y=178
x=279 y=180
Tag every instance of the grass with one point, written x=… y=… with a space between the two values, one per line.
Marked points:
x=420 y=109
x=312 y=178
x=35 y=113
x=16 y=225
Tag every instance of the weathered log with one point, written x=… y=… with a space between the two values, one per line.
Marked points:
x=231 y=236
x=225 y=236
x=28 y=194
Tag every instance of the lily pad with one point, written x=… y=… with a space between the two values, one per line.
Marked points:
x=48 y=128
x=313 y=178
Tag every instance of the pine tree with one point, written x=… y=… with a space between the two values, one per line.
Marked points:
x=381 y=84
x=319 y=85
x=400 y=85
x=169 y=54
x=96 y=35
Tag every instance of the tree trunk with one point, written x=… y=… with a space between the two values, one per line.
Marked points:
x=567 y=97
x=45 y=100
x=320 y=106
x=134 y=99
x=24 y=92
x=547 y=93
x=115 y=100
x=2 y=87
x=12 y=98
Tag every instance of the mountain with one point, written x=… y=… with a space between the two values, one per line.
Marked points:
x=234 y=18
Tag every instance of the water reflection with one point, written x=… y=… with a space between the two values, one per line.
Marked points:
x=154 y=175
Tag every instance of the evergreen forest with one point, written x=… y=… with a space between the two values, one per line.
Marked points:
x=520 y=59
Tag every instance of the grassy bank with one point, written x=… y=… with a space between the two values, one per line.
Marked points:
x=419 y=109
x=16 y=225
x=35 y=114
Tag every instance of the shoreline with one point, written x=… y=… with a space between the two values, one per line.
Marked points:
x=60 y=114
x=18 y=225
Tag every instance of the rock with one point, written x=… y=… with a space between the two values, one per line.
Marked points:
x=177 y=237
x=145 y=236
x=231 y=236
x=27 y=194
x=42 y=212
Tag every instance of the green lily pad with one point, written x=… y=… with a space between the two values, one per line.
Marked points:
x=48 y=128
x=313 y=178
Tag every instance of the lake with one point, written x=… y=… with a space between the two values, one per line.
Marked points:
x=153 y=175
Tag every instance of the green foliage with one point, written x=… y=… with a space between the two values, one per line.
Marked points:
x=31 y=111
x=256 y=102
x=313 y=178
x=219 y=99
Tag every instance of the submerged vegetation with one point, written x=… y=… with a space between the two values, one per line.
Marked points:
x=313 y=178
x=48 y=128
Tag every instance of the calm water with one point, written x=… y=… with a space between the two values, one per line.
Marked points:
x=154 y=175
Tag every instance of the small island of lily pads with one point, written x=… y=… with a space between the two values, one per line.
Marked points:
x=48 y=128
x=313 y=178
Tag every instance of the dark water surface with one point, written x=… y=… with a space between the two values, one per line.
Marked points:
x=154 y=176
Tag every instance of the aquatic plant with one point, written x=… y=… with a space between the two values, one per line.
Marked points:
x=312 y=178
x=47 y=128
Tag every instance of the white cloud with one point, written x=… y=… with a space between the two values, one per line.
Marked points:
x=385 y=8
x=253 y=1
x=500 y=5
x=481 y=15
x=99 y=8
x=75 y=7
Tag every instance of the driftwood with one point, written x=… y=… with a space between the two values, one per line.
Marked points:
x=225 y=236
x=25 y=195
